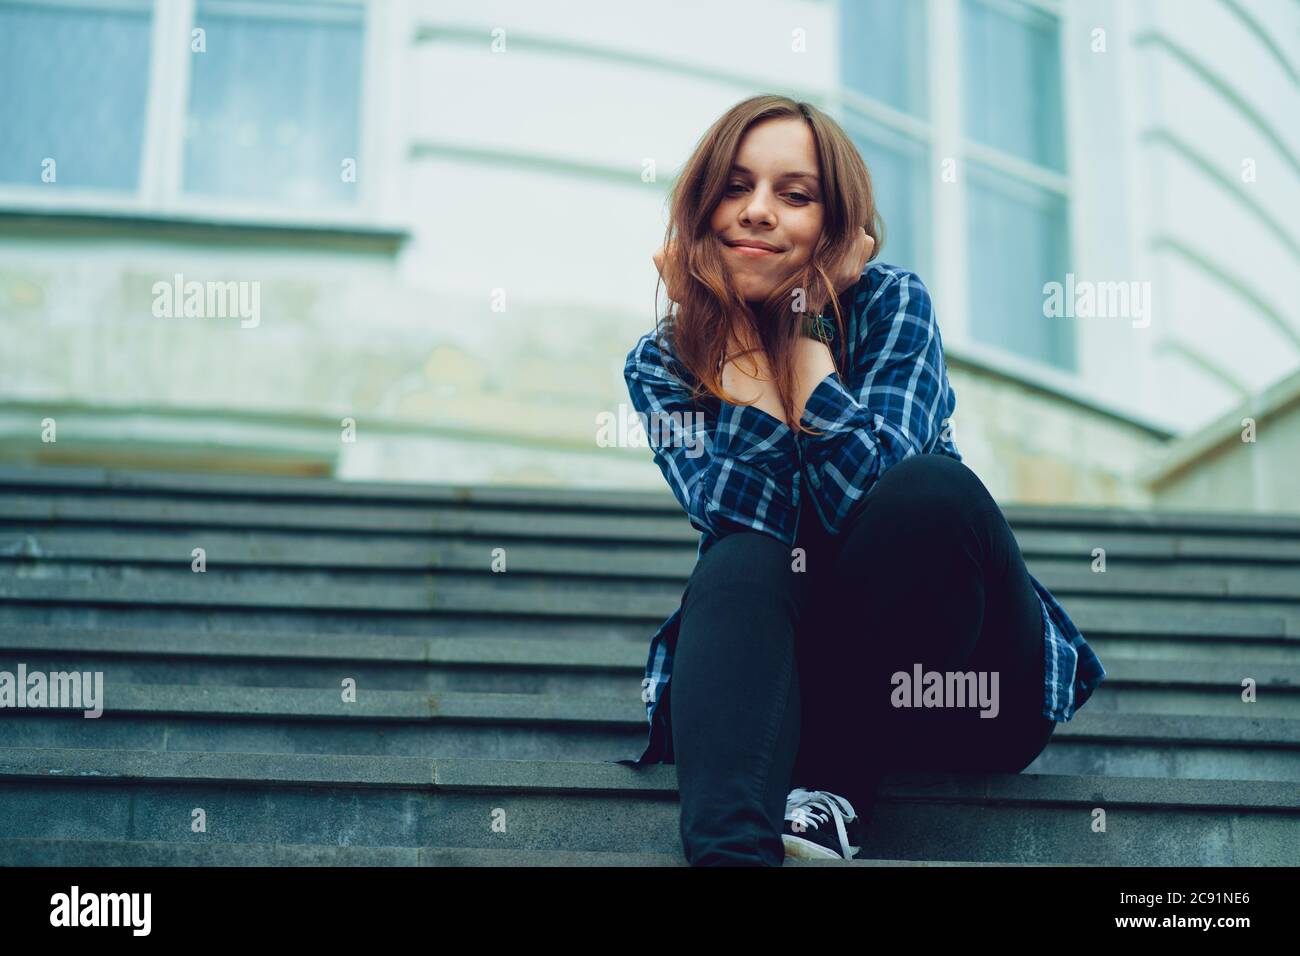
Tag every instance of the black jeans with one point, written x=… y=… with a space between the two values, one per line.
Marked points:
x=782 y=676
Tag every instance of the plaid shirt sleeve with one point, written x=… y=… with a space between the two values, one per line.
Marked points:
x=895 y=405
x=739 y=472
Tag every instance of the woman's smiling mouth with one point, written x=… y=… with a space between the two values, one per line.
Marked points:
x=749 y=247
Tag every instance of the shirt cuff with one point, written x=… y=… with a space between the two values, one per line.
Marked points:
x=749 y=434
x=842 y=455
x=752 y=483
x=832 y=408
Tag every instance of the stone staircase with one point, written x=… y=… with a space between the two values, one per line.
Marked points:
x=490 y=706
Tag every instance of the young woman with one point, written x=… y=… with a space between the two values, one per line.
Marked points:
x=859 y=603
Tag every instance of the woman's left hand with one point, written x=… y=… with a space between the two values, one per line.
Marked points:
x=854 y=261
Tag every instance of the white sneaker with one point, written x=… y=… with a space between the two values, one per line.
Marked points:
x=808 y=833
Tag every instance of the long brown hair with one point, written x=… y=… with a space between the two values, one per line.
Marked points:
x=710 y=301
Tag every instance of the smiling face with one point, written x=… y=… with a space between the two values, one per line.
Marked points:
x=773 y=198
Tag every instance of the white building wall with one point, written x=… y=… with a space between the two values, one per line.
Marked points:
x=1212 y=98
x=485 y=349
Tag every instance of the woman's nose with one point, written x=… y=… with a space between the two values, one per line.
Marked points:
x=756 y=211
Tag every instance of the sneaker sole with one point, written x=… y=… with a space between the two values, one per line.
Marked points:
x=802 y=849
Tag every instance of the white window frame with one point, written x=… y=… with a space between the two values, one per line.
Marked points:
x=943 y=136
x=159 y=194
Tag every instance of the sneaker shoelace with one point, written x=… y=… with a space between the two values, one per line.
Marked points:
x=818 y=807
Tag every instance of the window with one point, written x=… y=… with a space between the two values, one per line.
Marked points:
x=1016 y=235
x=982 y=87
x=274 y=102
x=882 y=49
x=75 y=80
x=157 y=105
x=898 y=165
x=1012 y=84
x=1012 y=79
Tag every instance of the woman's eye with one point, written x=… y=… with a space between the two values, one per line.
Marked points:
x=798 y=195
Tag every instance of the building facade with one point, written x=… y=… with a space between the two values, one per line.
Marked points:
x=411 y=240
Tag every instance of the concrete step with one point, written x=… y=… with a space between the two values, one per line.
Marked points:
x=1158 y=627
x=294 y=550
x=408 y=519
x=526 y=684
x=1266 y=594
x=468 y=625
x=1182 y=684
x=1121 y=693
x=550 y=727
x=1213 y=563
x=27 y=852
x=532 y=596
x=508 y=804
x=106 y=484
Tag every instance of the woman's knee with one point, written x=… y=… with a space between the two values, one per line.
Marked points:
x=743 y=560
x=926 y=520
x=932 y=482
x=747 y=573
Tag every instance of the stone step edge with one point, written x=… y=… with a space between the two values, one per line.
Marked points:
x=548 y=653
x=23 y=851
x=463 y=774
x=538 y=553
x=152 y=482
x=325 y=705
x=623 y=599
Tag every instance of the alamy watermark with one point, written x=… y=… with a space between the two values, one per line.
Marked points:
x=634 y=429
x=1085 y=299
x=76 y=908
x=946 y=689
x=72 y=690
x=208 y=300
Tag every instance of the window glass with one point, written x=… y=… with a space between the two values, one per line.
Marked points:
x=73 y=88
x=1017 y=243
x=1012 y=81
x=882 y=52
x=275 y=101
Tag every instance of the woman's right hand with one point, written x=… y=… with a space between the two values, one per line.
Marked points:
x=662 y=256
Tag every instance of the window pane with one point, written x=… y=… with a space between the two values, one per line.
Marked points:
x=882 y=52
x=1012 y=66
x=901 y=187
x=274 y=102
x=1018 y=242
x=73 y=88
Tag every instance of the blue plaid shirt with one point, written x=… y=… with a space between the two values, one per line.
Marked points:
x=747 y=470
